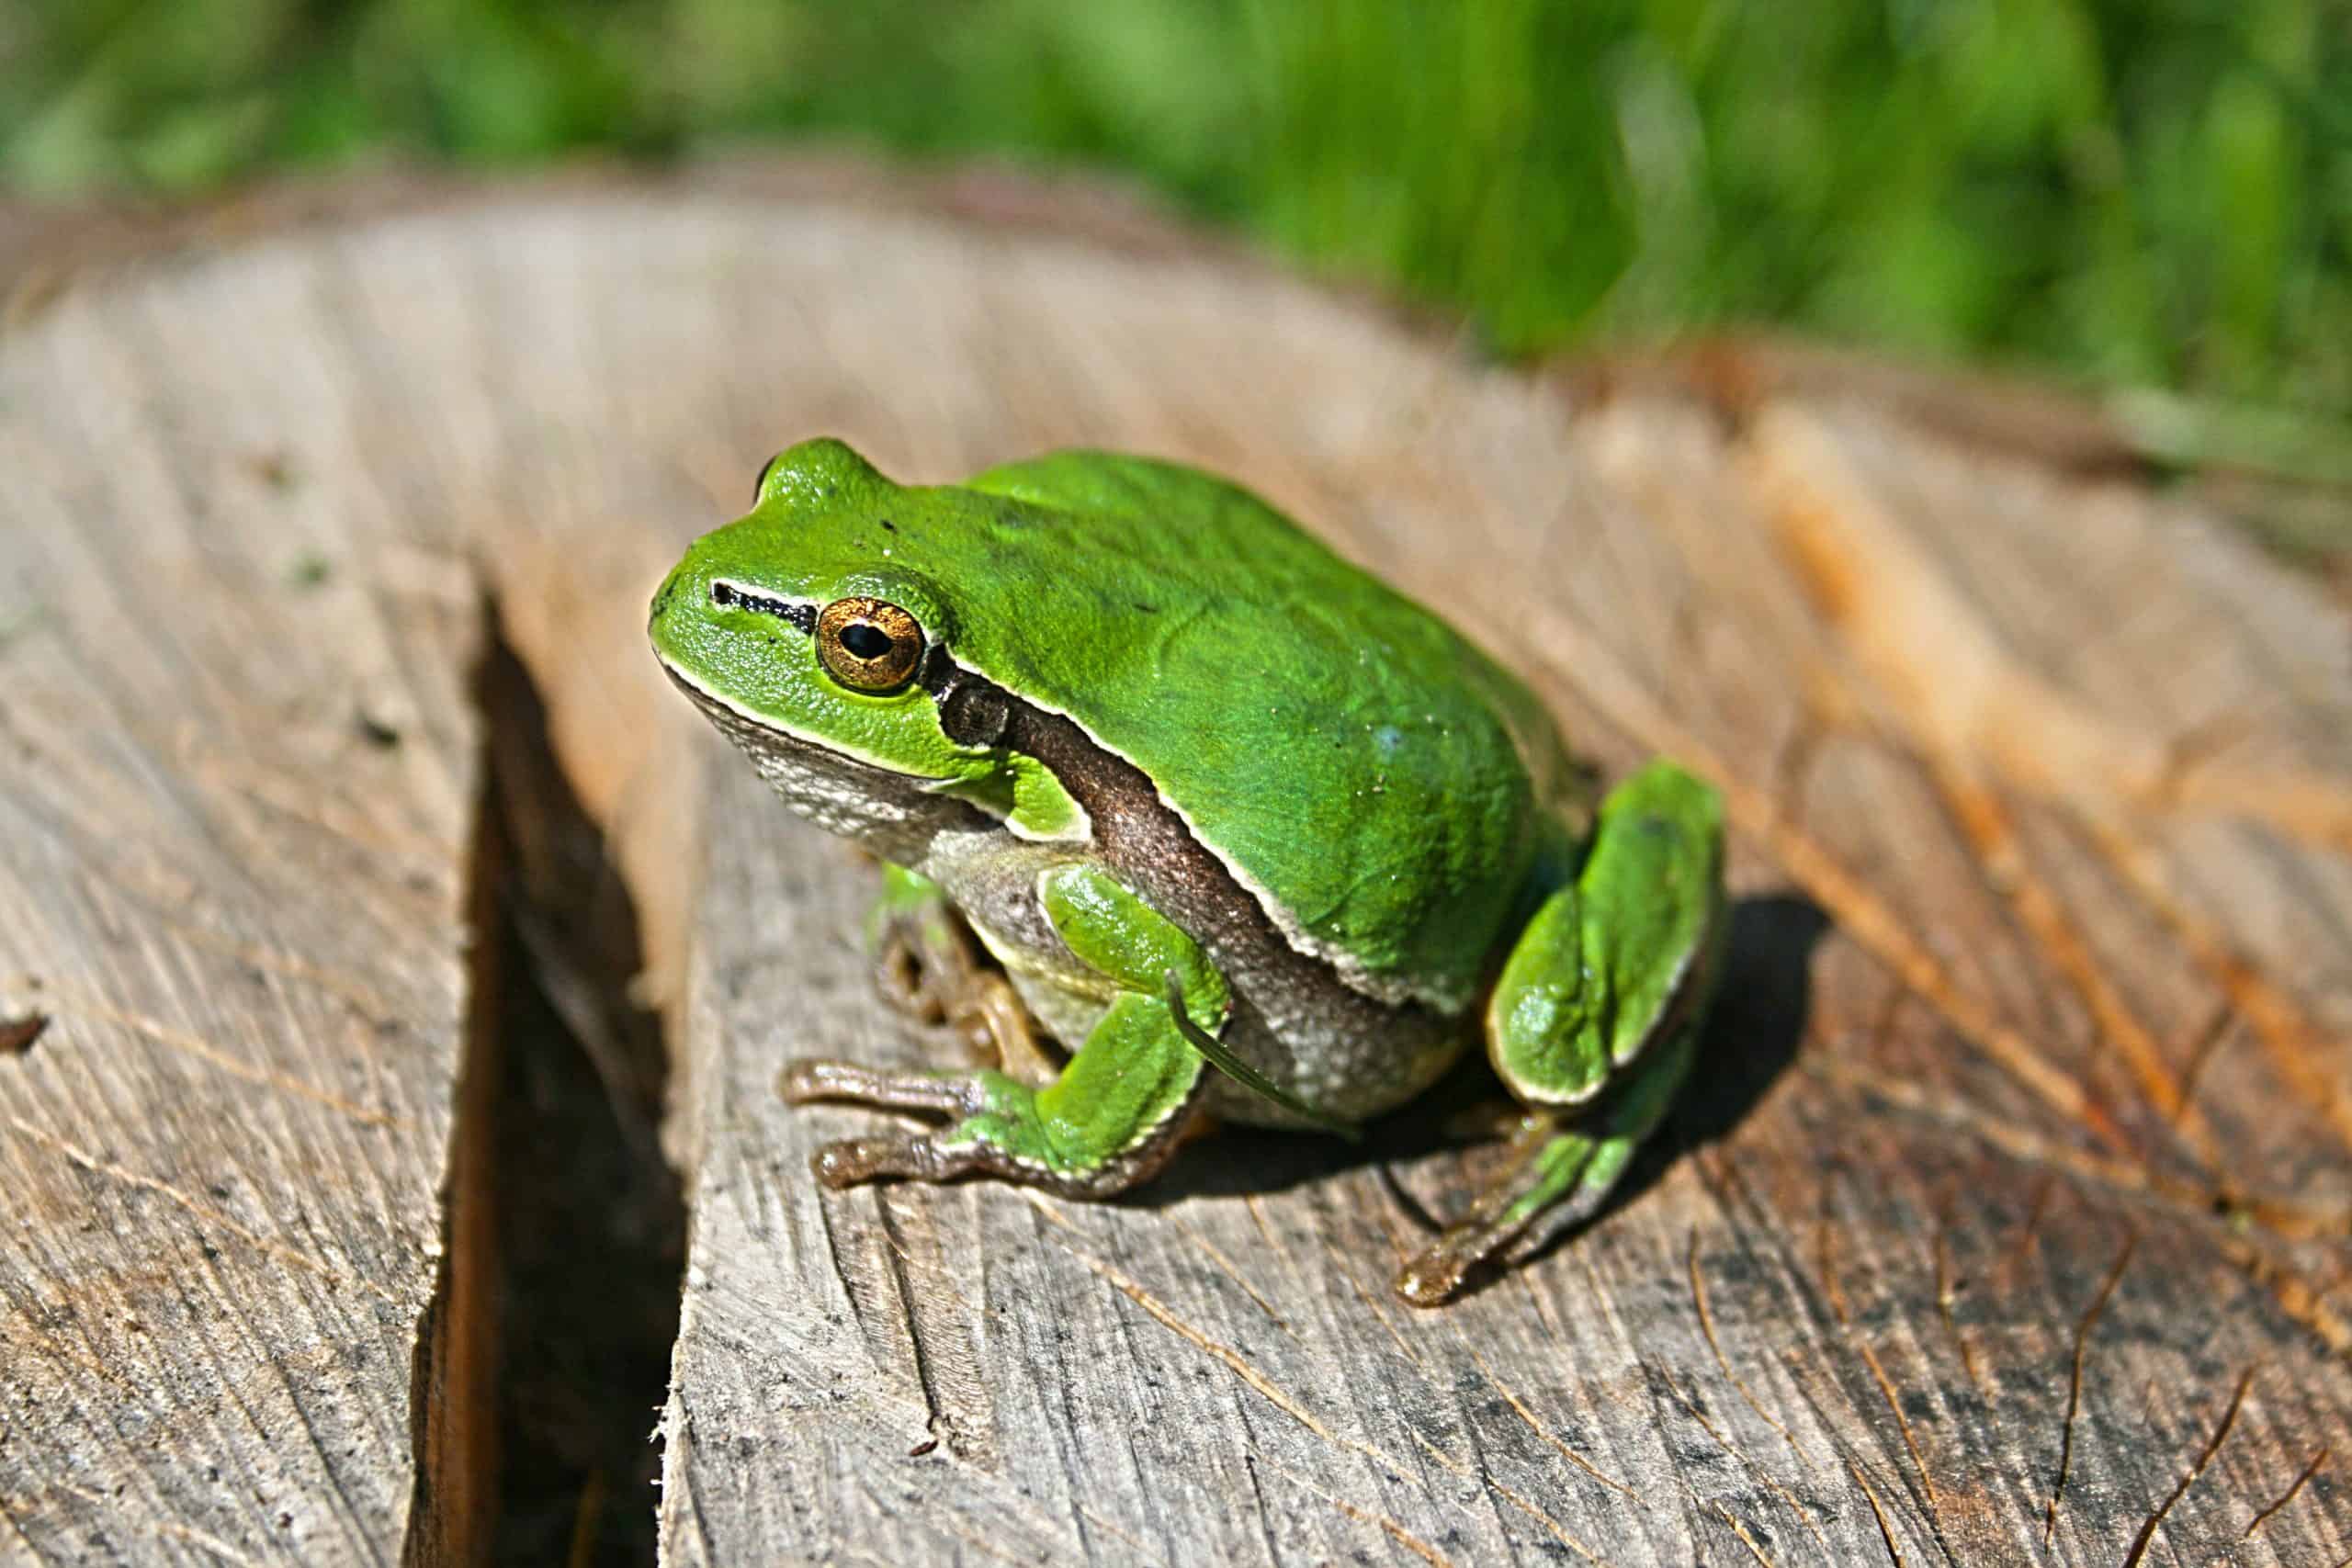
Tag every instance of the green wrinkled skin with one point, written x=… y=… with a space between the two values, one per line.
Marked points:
x=1402 y=811
x=1180 y=620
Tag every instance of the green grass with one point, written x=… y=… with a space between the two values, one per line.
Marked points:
x=2151 y=194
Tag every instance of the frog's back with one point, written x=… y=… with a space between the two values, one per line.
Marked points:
x=1343 y=750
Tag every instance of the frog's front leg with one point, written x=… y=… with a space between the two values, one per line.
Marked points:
x=1114 y=1112
x=1596 y=1016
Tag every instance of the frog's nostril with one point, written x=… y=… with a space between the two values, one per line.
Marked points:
x=662 y=597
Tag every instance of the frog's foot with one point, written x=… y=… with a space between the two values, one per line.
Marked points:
x=1000 y=1129
x=1558 y=1173
x=1564 y=1174
x=901 y=980
x=927 y=968
x=988 y=1014
x=810 y=1079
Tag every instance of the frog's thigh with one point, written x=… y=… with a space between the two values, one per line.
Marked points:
x=911 y=933
x=1538 y=1031
x=1612 y=964
x=1135 y=1078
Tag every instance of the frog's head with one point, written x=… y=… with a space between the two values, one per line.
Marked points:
x=809 y=632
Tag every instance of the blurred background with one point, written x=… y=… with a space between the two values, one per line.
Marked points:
x=2150 y=195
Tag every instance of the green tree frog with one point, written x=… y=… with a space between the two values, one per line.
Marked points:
x=1251 y=835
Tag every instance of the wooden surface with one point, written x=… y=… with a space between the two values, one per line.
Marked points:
x=236 y=815
x=2012 y=1222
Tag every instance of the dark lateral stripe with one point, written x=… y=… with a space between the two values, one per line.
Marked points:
x=727 y=596
x=1146 y=844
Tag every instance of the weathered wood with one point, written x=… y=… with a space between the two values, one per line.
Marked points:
x=2025 y=1156
x=235 y=819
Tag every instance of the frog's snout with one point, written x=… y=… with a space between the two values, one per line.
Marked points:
x=674 y=588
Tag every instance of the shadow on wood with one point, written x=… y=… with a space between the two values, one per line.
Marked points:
x=1750 y=1039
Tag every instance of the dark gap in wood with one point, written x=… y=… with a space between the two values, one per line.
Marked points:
x=548 y=1344
x=18 y=1034
x=592 y=1219
x=452 y=1434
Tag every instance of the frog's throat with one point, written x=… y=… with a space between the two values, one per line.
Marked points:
x=895 y=815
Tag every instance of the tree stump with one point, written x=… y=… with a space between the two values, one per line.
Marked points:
x=2010 y=1220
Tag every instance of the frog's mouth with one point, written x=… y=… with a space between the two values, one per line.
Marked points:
x=892 y=813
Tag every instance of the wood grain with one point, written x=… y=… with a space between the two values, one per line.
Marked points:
x=235 y=823
x=2012 y=1226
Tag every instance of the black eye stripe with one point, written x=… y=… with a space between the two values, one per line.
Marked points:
x=727 y=596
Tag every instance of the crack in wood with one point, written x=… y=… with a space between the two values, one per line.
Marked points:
x=2141 y=1542
x=1691 y=1407
x=1948 y=1293
x=1559 y=1531
x=169 y=1529
x=1878 y=1512
x=229 y=1062
x=453 y=1418
x=1835 y=1292
x=1985 y=822
x=1518 y=1407
x=346 y=988
x=937 y=1320
x=2179 y=1202
x=2203 y=1045
x=2319 y=1458
x=1707 y=1329
x=1111 y=1528
x=1226 y=1266
x=2290 y=1037
x=1403 y=1537
x=2295 y=1296
x=1233 y=1359
x=84 y=1159
x=2075 y=1383
x=1373 y=1306
x=1740 y=1530
x=562 y=1229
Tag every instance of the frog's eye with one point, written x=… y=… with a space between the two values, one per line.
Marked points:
x=869 y=645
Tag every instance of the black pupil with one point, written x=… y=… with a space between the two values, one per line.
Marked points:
x=866 y=642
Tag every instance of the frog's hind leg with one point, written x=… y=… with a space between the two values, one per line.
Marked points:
x=1111 y=1116
x=1596 y=1013
x=1558 y=1173
x=1110 y=1119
